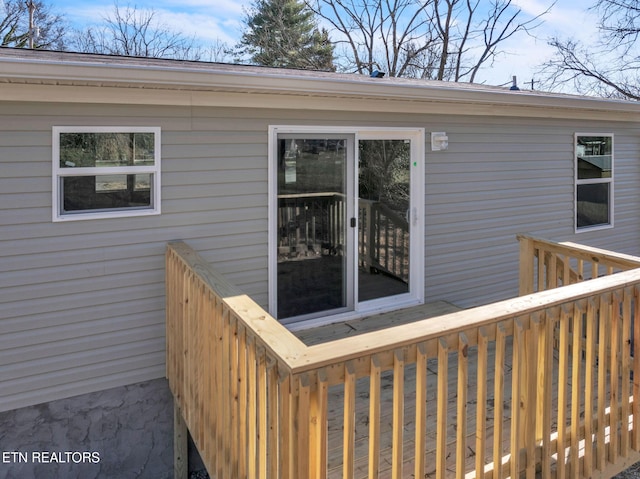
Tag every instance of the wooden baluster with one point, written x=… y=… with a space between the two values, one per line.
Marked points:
x=580 y=270
x=206 y=378
x=349 y=420
x=625 y=352
x=398 y=413
x=286 y=440
x=252 y=408
x=601 y=446
x=421 y=410
x=374 y=417
x=273 y=451
x=576 y=390
x=566 y=270
x=461 y=406
x=262 y=414
x=481 y=402
x=219 y=379
x=243 y=440
x=563 y=380
x=516 y=397
x=498 y=398
x=589 y=385
x=441 y=421
x=226 y=399
x=542 y=268
x=635 y=351
x=545 y=388
x=552 y=271
x=301 y=436
x=614 y=355
x=318 y=427
x=530 y=376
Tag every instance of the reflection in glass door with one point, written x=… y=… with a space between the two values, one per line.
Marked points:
x=312 y=191
x=384 y=205
x=346 y=214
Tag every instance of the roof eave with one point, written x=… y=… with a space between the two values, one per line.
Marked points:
x=170 y=77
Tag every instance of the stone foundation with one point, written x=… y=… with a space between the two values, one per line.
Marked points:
x=119 y=433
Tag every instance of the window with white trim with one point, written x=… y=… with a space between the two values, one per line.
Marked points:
x=105 y=172
x=594 y=181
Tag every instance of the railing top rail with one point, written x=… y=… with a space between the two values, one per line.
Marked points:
x=346 y=349
x=588 y=253
x=265 y=328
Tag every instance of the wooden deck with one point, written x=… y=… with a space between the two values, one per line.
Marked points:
x=536 y=386
x=375 y=322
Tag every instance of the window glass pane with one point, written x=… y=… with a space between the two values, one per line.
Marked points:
x=592 y=205
x=594 y=156
x=91 y=150
x=105 y=192
x=312 y=264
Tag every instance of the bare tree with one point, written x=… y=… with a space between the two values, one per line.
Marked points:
x=14 y=26
x=391 y=35
x=133 y=32
x=218 y=51
x=439 y=39
x=609 y=67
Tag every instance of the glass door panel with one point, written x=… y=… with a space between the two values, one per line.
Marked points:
x=384 y=202
x=312 y=267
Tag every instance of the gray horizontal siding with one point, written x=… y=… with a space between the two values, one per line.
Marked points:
x=503 y=177
x=82 y=303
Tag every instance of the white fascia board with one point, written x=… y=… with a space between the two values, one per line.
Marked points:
x=207 y=78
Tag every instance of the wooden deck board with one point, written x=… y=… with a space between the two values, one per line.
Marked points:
x=374 y=322
x=362 y=422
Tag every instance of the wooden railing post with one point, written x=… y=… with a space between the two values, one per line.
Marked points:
x=180 y=445
x=526 y=265
x=318 y=427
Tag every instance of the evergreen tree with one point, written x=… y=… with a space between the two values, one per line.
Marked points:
x=283 y=33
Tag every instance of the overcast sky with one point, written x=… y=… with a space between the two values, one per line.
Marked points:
x=209 y=20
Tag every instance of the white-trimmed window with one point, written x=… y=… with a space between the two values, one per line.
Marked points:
x=594 y=181
x=105 y=172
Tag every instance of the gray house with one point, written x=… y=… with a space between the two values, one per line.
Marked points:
x=324 y=196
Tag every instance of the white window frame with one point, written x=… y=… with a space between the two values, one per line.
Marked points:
x=593 y=181
x=417 y=273
x=58 y=173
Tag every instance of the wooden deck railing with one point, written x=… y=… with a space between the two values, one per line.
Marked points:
x=547 y=265
x=228 y=365
x=260 y=404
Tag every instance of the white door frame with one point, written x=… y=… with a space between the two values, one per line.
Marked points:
x=416 y=271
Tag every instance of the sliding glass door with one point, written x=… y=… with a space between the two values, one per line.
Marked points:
x=312 y=220
x=345 y=221
x=384 y=208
